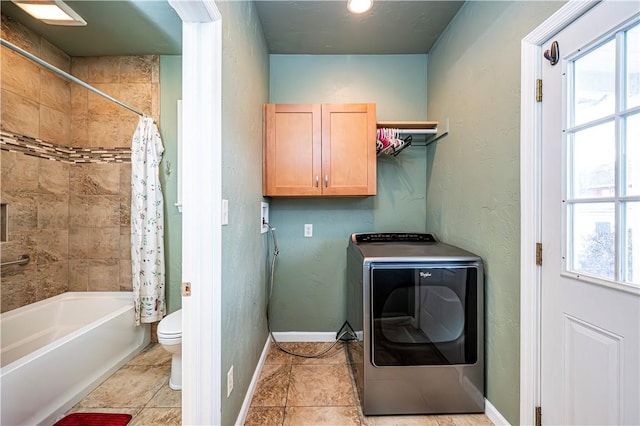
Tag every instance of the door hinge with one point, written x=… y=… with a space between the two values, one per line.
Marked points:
x=539 y=90
x=539 y=254
x=538 y=416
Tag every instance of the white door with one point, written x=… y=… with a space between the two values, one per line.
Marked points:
x=590 y=277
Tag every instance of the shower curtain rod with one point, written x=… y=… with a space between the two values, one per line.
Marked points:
x=66 y=75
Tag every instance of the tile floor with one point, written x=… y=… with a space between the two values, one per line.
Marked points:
x=140 y=388
x=291 y=391
x=294 y=391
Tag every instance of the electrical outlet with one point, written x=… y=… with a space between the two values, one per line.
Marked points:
x=264 y=217
x=229 y=381
x=308 y=230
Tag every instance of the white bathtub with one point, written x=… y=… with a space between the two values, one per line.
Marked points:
x=54 y=352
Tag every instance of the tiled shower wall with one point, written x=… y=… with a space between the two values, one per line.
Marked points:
x=69 y=211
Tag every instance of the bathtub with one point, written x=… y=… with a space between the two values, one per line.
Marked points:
x=54 y=352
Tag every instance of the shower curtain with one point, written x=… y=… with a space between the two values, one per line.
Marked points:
x=147 y=223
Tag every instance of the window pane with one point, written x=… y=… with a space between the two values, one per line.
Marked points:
x=633 y=67
x=632 y=164
x=595 y=84
x=594 y=154
x=632 y=243
x=593 y=244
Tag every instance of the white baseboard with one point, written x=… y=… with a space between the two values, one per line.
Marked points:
x=305 y=336
x=244 y=410
x=494 y=415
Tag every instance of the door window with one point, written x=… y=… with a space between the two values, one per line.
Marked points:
x=602 y=145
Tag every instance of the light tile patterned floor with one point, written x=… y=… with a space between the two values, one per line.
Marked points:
x=291 y=391
x=140 y=388
x=294 y=391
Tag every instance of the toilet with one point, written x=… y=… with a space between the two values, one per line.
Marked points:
x=170 y=337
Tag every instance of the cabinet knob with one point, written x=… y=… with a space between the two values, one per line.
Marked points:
x=317 y=180
x=326 y=181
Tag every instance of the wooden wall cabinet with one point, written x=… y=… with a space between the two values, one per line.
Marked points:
x=313 y=150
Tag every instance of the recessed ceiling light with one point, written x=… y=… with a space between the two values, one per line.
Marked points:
x=54 y=12
x=359 y=6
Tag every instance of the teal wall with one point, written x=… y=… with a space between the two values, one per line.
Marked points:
x=245 y=88
x=465 y=188
x=310 y=278
x=474 y=187
x=170 y=93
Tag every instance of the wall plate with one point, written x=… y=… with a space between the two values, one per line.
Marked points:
x=264 y=217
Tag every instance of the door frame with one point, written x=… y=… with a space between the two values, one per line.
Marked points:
x=530 y=205
x=201 y=213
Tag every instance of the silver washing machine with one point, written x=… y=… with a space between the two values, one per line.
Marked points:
x=416 y=306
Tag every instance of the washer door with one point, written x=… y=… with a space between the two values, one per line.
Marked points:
x=424 y=315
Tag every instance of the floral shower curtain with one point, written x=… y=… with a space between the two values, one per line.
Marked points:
x=147 y=223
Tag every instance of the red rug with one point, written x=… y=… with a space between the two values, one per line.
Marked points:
x=94 y=419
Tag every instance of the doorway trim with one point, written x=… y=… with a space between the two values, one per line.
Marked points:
x=530 y=206
x=201 y=213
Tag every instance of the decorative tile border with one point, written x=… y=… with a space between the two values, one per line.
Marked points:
x=65 y=154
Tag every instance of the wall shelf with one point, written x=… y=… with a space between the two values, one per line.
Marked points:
x=423 y=132
x=415 y=125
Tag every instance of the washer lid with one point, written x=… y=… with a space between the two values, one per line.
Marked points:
x=406 y=247
x=171 y=324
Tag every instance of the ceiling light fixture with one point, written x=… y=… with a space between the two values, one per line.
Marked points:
x=359 y=6
x=53 y=12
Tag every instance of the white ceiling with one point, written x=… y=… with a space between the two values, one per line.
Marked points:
x=131 y=27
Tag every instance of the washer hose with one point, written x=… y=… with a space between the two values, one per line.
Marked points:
x=276 y=252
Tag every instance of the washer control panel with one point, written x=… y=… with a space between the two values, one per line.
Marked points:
x=394 y=237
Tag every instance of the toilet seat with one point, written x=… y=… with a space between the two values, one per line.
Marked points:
x=169 y=340
x=170 y=327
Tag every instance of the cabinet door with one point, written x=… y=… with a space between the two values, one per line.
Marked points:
x=292 y=153
x=348 y=149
